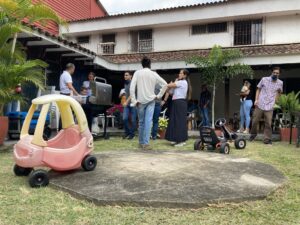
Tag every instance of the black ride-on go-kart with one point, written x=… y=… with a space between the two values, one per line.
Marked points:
x=210 y=141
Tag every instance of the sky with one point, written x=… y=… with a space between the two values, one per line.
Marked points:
x=121 y=6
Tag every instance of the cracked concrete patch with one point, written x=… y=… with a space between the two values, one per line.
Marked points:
x=170 y=179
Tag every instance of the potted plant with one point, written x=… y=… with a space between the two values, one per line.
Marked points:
x=14 y=66
x=289 y=105
x=162 y=126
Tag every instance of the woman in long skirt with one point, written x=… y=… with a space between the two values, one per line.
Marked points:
x=177 y=132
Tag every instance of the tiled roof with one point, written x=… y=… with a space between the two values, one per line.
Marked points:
x=60 y=39
x=203 y=4
x=257 y=50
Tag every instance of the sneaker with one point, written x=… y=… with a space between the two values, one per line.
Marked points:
x=172 y=142
x=130 y=137
x=147 y=147
x=240 y=131
x=180 y=144
x=252 y=137
x=245 y=132
x=268 y=142
x=125 y=136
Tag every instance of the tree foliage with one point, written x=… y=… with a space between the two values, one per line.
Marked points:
x=217 y=66
x=14 y=66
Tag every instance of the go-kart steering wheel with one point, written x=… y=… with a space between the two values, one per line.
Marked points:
x=220 y=122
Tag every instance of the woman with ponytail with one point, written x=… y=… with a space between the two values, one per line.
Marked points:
x=177 y=132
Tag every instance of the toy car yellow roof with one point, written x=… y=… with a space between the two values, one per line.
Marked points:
x=66 y=105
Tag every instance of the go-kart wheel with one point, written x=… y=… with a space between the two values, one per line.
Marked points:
x=240 y=143
x=21 y=171
x=198 y=145
x=38 y=178
x=220 y=122
x=225 y=148
x=89 y=163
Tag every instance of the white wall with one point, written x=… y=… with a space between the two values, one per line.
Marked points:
x=282 y=29
x=180 y=38
x=122 y=43
x=208 y=13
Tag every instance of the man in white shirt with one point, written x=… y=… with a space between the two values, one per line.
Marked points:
x=86 y=83
x=144 y=81
x=65 y=81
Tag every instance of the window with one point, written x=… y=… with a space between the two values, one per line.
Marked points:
x=108 y=44
x=209 y=28
x=141 y=41
x=83 y=39
x=108 y=38
x=248 y=32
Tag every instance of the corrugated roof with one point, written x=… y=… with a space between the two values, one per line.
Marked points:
x=204 y=4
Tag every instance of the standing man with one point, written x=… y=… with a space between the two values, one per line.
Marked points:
x=156 y=114
x=268 y=90
x=204 y=105
x=128 y=109
x=86 y=84
x=65 y=81
x=144 y=81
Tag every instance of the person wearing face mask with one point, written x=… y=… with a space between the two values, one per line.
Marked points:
x=128 y=109
x=268 y=91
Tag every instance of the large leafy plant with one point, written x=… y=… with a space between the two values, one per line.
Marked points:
x=289 y=104
x=217 y=66
x=14 y=66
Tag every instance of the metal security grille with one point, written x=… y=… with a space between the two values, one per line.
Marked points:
x=248 y=32
x=209 y=28
x=141 y=41
x=108 y=44
x=83 y=39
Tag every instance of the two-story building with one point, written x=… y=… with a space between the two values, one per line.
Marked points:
x=266 y=31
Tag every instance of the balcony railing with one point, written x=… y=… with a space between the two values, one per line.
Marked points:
x=106 y=48
x=145 y=45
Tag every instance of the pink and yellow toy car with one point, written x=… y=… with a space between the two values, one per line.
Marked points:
x=70 y=149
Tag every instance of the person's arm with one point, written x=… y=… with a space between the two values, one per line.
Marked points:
x=132 y=90
x=127 y=101
x=163 y=85
x=172 y=84
x=165 y=99
x=257 y=96
x=70 y=86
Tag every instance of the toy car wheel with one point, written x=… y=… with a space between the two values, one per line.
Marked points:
x=225 y=148
x=89 y=163
x=38 y=178
x=240 y=143
x=21 y=171
x=198 y=145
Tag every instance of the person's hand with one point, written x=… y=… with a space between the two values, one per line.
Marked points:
x=256 y=102
x=162 y=103
x=137 y=104
x=125 y=104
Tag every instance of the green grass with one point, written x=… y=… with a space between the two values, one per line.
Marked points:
x=20 y=204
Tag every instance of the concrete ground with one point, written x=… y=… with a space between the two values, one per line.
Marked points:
x=170 y=179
